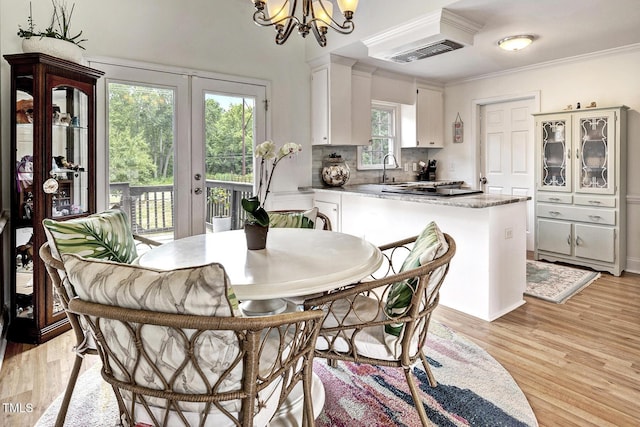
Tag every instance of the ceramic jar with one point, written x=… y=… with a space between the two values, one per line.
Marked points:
x=335 y=171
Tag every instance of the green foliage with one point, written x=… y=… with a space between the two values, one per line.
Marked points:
x=141 y=137
x=144 y=117
x=257 y=214
x=59 y=27
x=229 y=139
x=129 y=158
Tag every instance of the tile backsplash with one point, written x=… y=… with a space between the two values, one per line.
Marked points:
x=349 y=154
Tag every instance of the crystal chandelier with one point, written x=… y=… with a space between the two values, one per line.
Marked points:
x=315 y=17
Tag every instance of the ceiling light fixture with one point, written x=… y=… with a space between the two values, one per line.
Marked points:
x=315 y=17
x=516 y=42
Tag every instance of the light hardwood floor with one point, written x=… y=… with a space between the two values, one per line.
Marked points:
x=578 y=363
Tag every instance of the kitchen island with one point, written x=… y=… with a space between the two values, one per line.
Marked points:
x=487 y=276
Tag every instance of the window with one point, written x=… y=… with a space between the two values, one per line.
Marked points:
x=384 y=137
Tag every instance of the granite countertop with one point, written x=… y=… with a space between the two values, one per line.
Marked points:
x=479 y=200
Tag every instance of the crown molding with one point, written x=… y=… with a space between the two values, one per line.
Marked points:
x=569 y=60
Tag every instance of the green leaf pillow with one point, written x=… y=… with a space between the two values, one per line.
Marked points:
x=106 y=235
x=429 y=245
x=306 y=219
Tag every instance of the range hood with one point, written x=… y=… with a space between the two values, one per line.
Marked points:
x=434 y=34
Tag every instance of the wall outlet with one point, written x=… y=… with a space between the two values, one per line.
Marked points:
x=406 y=167
x=452 y=166
x=415 y=167
x=508 y=233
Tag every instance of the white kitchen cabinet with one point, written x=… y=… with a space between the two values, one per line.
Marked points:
x=361 y=106
x=429 y=118
x=581 y=187
x=328 y=202
x=422 y=123
x=331 y=103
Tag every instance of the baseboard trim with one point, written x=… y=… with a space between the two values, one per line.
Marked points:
x=633 y=265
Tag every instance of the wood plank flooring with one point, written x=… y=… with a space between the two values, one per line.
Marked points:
x=577 y=363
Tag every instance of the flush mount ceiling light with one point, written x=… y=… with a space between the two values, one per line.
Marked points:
x=315 y=17
x=516 y=42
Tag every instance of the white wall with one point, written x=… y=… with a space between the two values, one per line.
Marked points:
x=608 y=79
x=208 y=35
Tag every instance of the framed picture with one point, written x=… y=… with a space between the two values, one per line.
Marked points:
x=458 y=129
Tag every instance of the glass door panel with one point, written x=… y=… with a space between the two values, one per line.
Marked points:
x=594 y=173
x=69 y=152
x=228 y=137
x=141 y=156
x=556 y=139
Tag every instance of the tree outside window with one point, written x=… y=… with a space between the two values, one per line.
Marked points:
x=383 y=136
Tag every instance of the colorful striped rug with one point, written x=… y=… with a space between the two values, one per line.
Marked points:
x=473 y=390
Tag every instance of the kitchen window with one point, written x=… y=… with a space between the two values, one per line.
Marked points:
x=385 y=139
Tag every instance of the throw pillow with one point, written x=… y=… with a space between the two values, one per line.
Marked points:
x=105 y=235
x=203 y=291
x=429 y=245
x=306 y=219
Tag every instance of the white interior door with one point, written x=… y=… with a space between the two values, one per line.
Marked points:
x=507 y=153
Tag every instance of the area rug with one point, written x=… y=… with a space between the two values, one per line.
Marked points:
x=556 y=283
x=473 y=390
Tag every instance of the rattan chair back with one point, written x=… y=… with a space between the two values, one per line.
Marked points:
x=344 y=325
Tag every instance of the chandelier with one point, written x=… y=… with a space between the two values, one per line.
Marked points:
x=315 y=17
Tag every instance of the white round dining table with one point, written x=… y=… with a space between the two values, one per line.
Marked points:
x=295 y=262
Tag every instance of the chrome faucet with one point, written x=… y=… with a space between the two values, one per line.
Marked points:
x=384 y=165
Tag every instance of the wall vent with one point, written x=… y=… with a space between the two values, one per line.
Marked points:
x=432 y=49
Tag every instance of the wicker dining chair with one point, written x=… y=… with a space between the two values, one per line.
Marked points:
x=385 y=321
x=175 y=353
x=84 y=343
x=314 y=212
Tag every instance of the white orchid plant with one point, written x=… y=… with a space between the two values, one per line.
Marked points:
x=267 y=153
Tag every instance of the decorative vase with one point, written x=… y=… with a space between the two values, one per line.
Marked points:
x=55 y=47
x=256 y=236
x=335 y=172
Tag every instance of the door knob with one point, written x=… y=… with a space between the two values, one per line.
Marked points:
x=483 y=180
x=198 y=190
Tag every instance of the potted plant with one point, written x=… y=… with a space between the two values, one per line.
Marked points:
x=55 y=40
x=257 y=224
x=221 y=219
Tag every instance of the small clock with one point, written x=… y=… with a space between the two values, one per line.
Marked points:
x=50 y=186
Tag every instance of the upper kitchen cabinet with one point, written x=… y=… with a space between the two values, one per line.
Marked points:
x=53 y=171
x=427 y=118
x=581 y=187
x=333 y=102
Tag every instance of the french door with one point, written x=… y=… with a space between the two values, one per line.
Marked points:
x=228 y=120
x=162 y=145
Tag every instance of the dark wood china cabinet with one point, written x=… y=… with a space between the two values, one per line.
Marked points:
x=52 y=176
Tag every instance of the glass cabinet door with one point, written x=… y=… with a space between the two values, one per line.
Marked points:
x=67 y=181
x=594 y=155
x=555 y=135
x=25 y=197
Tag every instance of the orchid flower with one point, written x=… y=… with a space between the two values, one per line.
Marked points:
x=267 y=152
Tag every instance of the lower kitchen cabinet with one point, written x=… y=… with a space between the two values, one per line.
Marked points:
x=583 y=241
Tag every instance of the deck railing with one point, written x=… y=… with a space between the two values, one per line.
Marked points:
x=151 y=207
